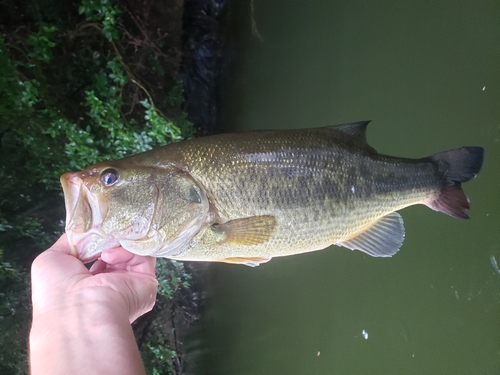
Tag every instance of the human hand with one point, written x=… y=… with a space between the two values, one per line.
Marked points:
x=81 y=318
x=119 y=280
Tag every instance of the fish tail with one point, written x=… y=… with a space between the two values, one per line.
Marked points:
x=455 y=167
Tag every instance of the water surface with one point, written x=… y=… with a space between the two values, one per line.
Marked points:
x=428 y=75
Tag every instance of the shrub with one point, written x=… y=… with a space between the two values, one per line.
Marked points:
x=79 y=83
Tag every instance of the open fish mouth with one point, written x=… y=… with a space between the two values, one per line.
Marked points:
x=85 y=213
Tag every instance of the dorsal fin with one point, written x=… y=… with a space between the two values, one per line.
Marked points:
x=356 y=129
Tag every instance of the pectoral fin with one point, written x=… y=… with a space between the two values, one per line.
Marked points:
x=251 y=262
x=247 y=231
x=382 y=239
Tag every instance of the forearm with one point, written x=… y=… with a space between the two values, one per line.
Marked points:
x=83 y=338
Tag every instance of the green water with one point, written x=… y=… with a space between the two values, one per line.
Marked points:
x=428 y=74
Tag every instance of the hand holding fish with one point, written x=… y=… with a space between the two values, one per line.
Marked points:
x=81 y=317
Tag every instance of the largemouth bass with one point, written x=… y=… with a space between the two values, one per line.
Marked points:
x=245 y=198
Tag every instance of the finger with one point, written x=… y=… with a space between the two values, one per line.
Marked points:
x=142 y=297
x=53 y=272
x=52 y=261
x=116 y=255
x=137 y=289
x=61 y=245
x=98 y=267
x=121 y=259
x=146 y=265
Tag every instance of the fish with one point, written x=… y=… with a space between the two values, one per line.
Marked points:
x=244 y=198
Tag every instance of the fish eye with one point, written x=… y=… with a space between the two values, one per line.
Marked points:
x=109 y=177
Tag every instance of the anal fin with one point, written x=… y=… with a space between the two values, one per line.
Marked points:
x=250 y=261
x=382 y=239
x=252 y=230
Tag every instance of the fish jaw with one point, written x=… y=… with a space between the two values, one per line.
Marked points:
x=85 y=213
x=89 y=246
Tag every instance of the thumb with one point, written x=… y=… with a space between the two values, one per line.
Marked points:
x=140 y=294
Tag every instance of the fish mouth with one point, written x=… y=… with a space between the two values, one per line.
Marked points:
x=85 y=212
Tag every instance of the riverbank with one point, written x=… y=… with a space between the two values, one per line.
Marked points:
x=86 y=81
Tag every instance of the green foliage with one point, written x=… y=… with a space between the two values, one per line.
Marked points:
x=14 y=297
x=158 y=356
x=157 y=126
x=159 y=353
x=103 y=12
x=43 y=134
x=171 y=276
x=72 y=95
x=41 y=45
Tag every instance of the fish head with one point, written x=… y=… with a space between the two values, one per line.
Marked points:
x=147 y=210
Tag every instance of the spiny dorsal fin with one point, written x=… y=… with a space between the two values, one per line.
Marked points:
x=247 y=231
x=382 y=239
x=250 y=261
x=356 y=129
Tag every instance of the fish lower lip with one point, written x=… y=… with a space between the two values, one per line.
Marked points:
x=87 y=246
x=73 y=250
x=71 y=186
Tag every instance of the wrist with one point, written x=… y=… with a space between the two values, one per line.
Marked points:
x=81 y=310
x=88 y=334
x=93 y=300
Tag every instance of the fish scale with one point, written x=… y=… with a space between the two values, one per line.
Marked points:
x=313 y=209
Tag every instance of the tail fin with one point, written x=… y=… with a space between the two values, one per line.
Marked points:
x=455 y=166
